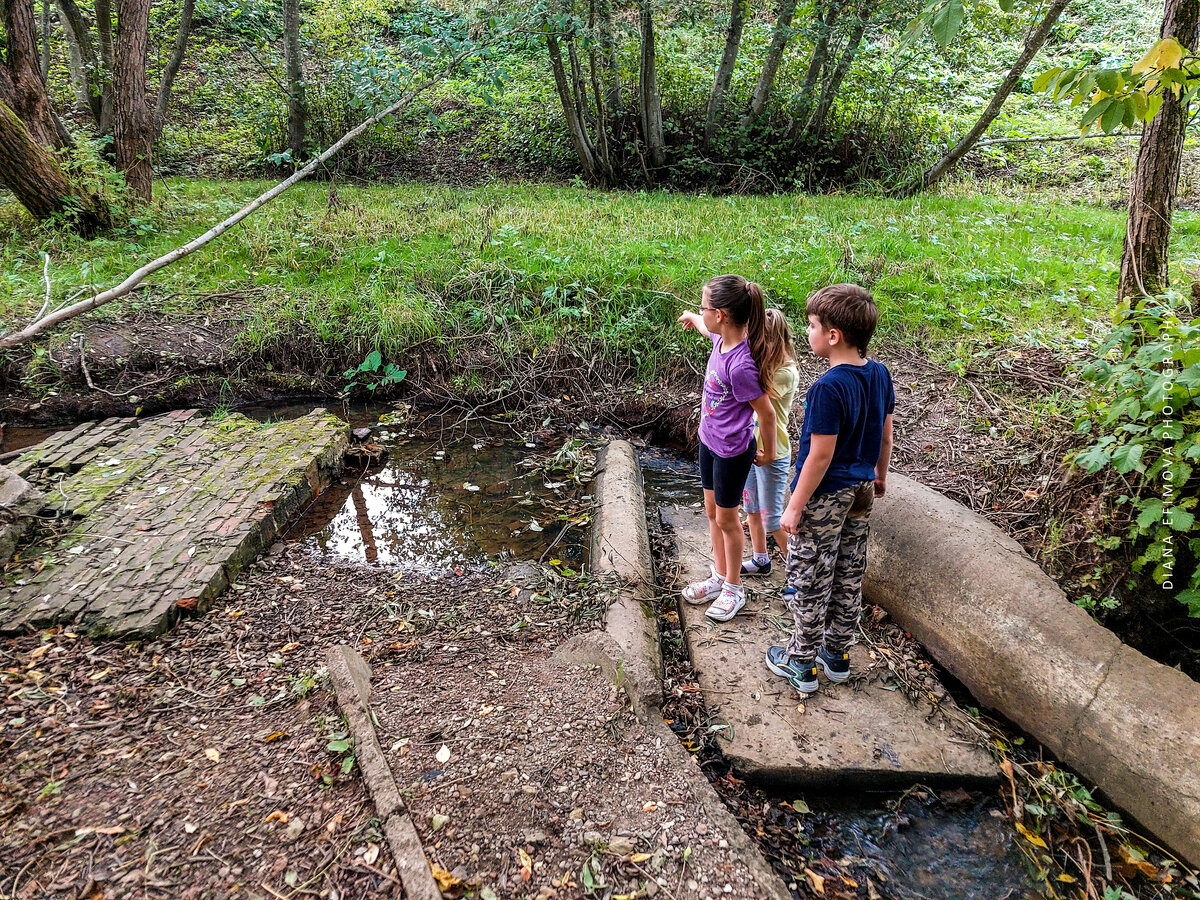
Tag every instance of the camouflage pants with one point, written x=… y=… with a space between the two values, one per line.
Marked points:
x=825 y=565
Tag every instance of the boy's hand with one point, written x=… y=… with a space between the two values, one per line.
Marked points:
x=880 y=486
x=790 y=521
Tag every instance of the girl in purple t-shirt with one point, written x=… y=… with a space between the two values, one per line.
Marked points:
x=733 y=315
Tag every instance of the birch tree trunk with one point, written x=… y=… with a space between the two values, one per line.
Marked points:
x=133 y=122
x=766 y=79
x=826 y=17
x=833 y=84
x=580 y=140
x=177 y=54
x=1156 y=176
x=1033 y=43
x=720 y=89
x=81 y=56
x=651 y=101
x=297 y=111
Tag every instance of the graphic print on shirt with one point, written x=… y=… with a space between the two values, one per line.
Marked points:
x=715 y=392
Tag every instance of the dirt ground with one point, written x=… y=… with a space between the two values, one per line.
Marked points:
x=213 y=761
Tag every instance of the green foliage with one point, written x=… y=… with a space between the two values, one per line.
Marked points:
x=1145 y=419
x=372 y=373
x=1115 y=97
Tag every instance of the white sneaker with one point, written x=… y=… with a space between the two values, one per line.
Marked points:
x=728 y=605
x=700 y=591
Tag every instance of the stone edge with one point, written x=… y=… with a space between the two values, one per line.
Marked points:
x=982 y=607
x=628 y=653
x=351 y=678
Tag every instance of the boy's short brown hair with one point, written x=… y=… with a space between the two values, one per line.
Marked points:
x=848 y=308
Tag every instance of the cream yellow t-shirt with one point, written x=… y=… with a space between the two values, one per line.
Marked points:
x=787 y=379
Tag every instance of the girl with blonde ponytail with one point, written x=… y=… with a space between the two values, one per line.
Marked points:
x=732 y=315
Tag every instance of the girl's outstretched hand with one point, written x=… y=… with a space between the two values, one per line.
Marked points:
x=685 y=319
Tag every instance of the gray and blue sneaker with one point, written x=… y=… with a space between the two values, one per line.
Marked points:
x=802 y=677
x=836 y=665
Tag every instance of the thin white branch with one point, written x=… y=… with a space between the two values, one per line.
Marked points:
x=44 y=322
x=46 y=277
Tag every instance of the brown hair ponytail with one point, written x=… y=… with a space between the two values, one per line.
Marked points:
x=756 y=335
x=744 y=302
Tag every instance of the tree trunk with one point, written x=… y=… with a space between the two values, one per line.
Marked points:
x=825 y=19
x=831 y=87
x=46 y=41
x=1033 y=43
x=86 y=73
x=297 y=113
x=173 y=64
x=133 y=122
x=1156 y=177
x=107 y=65
x=579 y=136
x=720 y=88
x=651 y=101
x=766 y=79
x=33 y=175
x=24 y=90
x=608 y=42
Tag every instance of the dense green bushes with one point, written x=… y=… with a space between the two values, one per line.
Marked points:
x=897 y=110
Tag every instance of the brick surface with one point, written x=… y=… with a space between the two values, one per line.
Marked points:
x=166 y=509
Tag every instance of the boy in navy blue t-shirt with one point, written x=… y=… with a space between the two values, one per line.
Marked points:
x=842 y=464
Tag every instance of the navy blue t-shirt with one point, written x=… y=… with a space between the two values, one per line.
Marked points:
x=851 y=402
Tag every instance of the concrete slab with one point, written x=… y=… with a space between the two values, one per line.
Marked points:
x=163 y=512
x=853 y=734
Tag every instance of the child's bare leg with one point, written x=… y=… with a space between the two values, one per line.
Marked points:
x=781 y=541
x=758 y=534
x=717 y=536
x=730 y=529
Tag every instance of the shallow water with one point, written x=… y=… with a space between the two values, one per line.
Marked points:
x=431 y=509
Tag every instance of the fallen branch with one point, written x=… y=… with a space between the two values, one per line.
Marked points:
x=44 y=322
x=1056 y=137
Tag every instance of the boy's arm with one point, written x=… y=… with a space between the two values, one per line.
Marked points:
x=689 y=319
x=885 y=458
x=766 y=429
x=816 y=464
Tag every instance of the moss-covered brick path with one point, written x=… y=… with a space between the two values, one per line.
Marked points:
x=160 y=514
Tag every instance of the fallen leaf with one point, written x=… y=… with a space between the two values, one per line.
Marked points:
x=444 y=879
x=1031 y=837
x=818 y=882
x=443 y=755
x=288 y=648
x=371 y=855
x=213 y=753
x=640 y=857
x=526 y=865
x=189 y=828
x=274 y=736
x=650 y=807
x=332 y=825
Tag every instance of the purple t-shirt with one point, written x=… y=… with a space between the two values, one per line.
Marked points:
x=730 y=383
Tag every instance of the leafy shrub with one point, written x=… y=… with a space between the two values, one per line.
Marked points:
x=1145 y=417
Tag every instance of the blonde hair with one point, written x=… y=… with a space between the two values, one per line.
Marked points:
x=778 y=348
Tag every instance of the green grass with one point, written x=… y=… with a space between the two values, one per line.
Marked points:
x=396 y=264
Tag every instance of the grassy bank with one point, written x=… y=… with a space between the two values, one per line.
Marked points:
x=386 y=266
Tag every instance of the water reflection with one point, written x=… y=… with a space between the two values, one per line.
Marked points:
x=429 y=510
